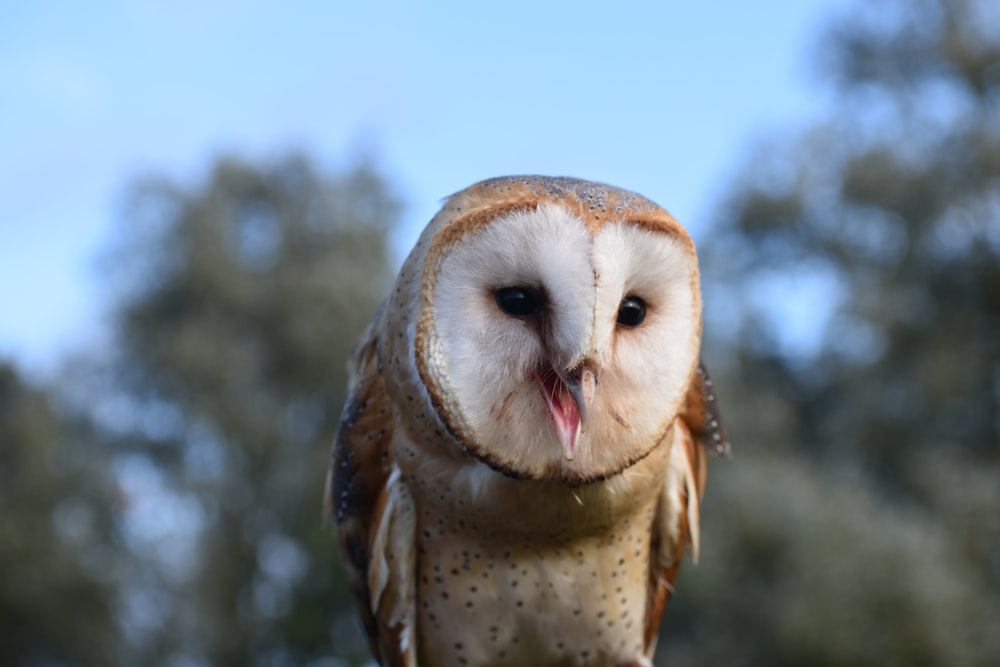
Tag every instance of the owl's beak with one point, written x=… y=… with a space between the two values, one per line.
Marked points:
x=582 y=385
x=569 y=396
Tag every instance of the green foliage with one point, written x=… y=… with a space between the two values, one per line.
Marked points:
x=856 y=523
x=241 y=300
x=807 y=566
x=56 y=536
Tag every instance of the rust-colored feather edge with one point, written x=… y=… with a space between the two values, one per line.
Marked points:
x=371 y=511
x=676 y=527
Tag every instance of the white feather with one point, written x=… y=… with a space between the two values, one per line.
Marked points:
x=549 y=249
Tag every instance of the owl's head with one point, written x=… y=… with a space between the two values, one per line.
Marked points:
x=557 y=325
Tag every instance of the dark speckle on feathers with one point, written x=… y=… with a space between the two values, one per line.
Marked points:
x=703 y=415
x=359 y=471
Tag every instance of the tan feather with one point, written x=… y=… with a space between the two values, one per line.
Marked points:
x=697 y=431
x=373 y=513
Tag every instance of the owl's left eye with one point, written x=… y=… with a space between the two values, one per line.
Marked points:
x=519 y=301
x=632 y=311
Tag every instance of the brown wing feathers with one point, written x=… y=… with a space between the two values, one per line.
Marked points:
x=358 y=476
x=697 y=431
x=701 y=413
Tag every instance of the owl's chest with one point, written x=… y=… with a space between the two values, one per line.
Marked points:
x=489 y=597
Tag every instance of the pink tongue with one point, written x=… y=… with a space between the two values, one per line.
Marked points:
x=565 y=412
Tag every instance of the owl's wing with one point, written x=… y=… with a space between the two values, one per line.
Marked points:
x=374 y=514
x=697 y=432
x=701 y=414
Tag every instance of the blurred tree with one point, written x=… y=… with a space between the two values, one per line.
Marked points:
x=240 y=302
x=853 y=291
x=58 y=570
x=884 y=228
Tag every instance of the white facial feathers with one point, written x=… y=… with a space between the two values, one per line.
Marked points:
x=630 y=260
x=490 y=361
x=548 y=250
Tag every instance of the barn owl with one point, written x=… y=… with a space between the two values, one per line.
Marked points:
x=518 y=468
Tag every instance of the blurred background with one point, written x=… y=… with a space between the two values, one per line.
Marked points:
x=202 y=204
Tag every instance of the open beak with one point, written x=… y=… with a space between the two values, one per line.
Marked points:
x=569 y=396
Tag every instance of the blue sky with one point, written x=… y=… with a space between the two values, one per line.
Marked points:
x=657 y=97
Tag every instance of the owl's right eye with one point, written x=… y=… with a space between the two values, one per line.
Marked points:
x=519 y=301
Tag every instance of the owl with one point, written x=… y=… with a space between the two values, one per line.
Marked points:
x=518 y=468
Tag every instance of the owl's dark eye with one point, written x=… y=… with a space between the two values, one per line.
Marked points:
x=519 y=301
x=632 y=311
